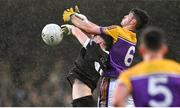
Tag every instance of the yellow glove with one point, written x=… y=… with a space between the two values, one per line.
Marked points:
x=67 y=14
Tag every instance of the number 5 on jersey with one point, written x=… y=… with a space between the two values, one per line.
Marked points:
x=156 y=86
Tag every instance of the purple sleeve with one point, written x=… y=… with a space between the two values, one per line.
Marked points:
x=102 y=30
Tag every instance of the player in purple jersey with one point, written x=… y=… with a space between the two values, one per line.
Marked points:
x=122 y=52
x=155 y=82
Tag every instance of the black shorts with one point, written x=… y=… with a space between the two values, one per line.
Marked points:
x=89 y=77
x=84 y=66
x=86 y=101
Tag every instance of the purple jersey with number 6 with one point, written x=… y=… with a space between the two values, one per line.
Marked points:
x=122 y=52
x=154 y=84
x=121 y=56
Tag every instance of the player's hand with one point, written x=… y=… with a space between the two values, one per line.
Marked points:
x=67 y=14
x=66 y=28
x=79 y=15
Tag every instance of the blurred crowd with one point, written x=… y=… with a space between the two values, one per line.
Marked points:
x=52 y=92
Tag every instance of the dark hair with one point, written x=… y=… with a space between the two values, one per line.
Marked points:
x=153 y=38
x=141 y=16
x=108 y=41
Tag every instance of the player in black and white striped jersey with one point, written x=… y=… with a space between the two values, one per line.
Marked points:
x=91 y=62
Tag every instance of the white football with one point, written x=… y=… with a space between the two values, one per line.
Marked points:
x=52 y=34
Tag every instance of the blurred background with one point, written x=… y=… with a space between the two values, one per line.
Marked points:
x=34 y=74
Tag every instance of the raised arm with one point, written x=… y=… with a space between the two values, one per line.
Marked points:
x=85 y=25
x=80 y=35
x=80 y=21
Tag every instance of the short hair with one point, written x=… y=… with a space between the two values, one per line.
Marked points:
x=153 y=38
x=141 y=16
x=108 y=41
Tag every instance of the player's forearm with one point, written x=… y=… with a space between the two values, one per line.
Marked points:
x=117 y=101
x=119 y=96
x=82 y=37
x=87 y=26
x=118 y=104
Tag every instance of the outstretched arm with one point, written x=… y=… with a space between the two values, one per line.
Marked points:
x=85 y=25
x=80 y=35
x=80 y=21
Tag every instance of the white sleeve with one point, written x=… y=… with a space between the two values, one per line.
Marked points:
x=97 y=67
x=86 y=43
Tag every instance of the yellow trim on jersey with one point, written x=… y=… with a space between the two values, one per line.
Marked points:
x=117 y=31
x=147 y=68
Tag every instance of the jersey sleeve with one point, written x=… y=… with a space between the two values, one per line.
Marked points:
x=116 y=31
x=112 y=31
x=86 y=43
x=124 y=79
x=93 y=51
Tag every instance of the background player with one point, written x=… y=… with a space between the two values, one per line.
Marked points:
x=122 y=52
x=153 y=82
x=92 y=60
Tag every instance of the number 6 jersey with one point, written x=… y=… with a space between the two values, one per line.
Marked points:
x=122 y=52
x=153 y=83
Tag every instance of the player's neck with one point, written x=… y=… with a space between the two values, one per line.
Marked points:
x=149 y=57
x=129 y=27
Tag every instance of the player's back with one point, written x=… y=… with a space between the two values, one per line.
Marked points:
x=154 y=83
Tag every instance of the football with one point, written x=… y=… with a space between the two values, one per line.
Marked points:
x=52 y=34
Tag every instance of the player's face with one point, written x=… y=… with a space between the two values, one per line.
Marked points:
x=99 y=40
x=127 y=19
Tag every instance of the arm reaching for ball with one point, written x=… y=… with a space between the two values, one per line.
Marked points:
x=85 y=25
x=81 y=36
x=80 y=21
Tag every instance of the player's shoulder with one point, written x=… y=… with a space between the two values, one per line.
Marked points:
x=165 y=66
x=169 y=61
x=121 y=30
x=134 y=70
x=171 y=64
x=113 y=27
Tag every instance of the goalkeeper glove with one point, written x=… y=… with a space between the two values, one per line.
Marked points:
x=66 y=28
x=69 y=12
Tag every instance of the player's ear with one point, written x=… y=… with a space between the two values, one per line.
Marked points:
x=133 y=22
x=164 y=49
x=141 y=50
